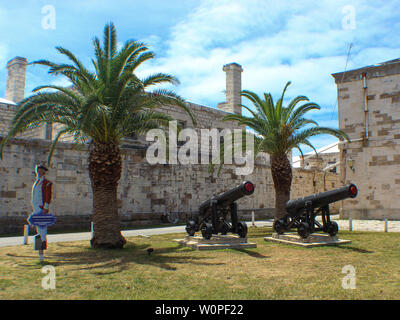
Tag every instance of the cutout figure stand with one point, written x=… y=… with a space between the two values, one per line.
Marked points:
x=41 y=198
x=41 y=221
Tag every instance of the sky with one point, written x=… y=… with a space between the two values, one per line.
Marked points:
x=275 y=41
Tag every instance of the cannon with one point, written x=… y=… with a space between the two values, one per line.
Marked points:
x=301 y=213
x=212 y=217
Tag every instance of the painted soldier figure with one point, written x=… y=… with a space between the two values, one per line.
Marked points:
x=41 y=197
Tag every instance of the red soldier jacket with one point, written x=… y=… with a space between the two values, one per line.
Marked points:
x=46 y=193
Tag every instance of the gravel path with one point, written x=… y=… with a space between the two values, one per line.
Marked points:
x=366 y=225
x=81 y=236
x=358 y=225
x=369 y=225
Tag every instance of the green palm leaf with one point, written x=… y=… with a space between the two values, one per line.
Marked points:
x=105 y=105
x=278 y=130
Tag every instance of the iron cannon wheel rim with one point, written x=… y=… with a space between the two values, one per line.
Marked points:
x=303 y=230
x=333 y=228
x=190 y=228
x=224 y=228
x=206 y=231
x=242 y=229
x=279 y=226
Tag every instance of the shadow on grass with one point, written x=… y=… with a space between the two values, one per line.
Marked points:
x=260 y=233
x=252 y=253
x=68 y=245
x=119 y=260
x=33 y=259
x=355 y=249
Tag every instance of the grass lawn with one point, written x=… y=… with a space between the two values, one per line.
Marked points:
x=75 y=230
x=271 y=271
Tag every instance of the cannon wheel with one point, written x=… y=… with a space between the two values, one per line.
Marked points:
x=333 y=228
x=190 y=228
x=206 y=231
x=224 y=228
x=279 y=226
x=242 y=229
x=303 y=230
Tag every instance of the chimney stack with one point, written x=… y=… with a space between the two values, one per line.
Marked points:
x=233 y=88
x=16 y=69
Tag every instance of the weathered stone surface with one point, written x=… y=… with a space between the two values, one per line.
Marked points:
x=141 y=200
x=15 y=89
x=216 y=242
x=314 y=240
x=145 y=191
x=375 y=161
x=8 y=194
x=66 y=180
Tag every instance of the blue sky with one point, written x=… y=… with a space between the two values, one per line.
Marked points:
x=301 y=41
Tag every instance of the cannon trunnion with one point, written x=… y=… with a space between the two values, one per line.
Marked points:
x=213 y=214
x=301 y=213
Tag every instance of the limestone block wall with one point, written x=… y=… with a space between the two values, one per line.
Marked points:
x=16 y=79
x=7 y=112
x=145 y=191
x=233 y=88
x=37 y=133
x=372 y=163
x=322 y=161
x=207 y=118
x=307 y=182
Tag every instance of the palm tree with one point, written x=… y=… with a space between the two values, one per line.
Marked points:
x=278 y=130
x=102 y=107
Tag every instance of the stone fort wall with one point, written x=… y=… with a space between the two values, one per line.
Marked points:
x=145 y=191
x=369 y=111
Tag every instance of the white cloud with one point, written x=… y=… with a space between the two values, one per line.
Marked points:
x=3 y=55
x=3 y=69
x=274 y=43
x=153 y=41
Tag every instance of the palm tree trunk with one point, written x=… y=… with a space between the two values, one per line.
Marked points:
x=281 y=170
x=105 y=171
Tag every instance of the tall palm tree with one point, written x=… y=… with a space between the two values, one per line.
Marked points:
x=102 y=107
x=278 y=130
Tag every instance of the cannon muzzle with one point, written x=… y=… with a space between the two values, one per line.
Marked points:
x=212 y=215
x=301 y=213
x=224 y=199
x=319 y=200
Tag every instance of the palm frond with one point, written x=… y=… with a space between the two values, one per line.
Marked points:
x=257 y=102
x=104 y=105
x=278 y=108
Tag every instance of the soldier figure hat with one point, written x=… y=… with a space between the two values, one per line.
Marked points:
x=40 y=166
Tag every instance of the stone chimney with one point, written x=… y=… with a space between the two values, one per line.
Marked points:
x=16 y=68
x=233 y=88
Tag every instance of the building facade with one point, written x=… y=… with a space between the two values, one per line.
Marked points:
x=369 y=112
x=327 y=159
x=146 y=191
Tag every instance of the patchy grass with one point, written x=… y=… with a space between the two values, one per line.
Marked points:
x=87 y=229
x=271 y=271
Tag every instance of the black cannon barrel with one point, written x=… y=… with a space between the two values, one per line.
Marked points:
x=322 y=199
x=225 y=198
